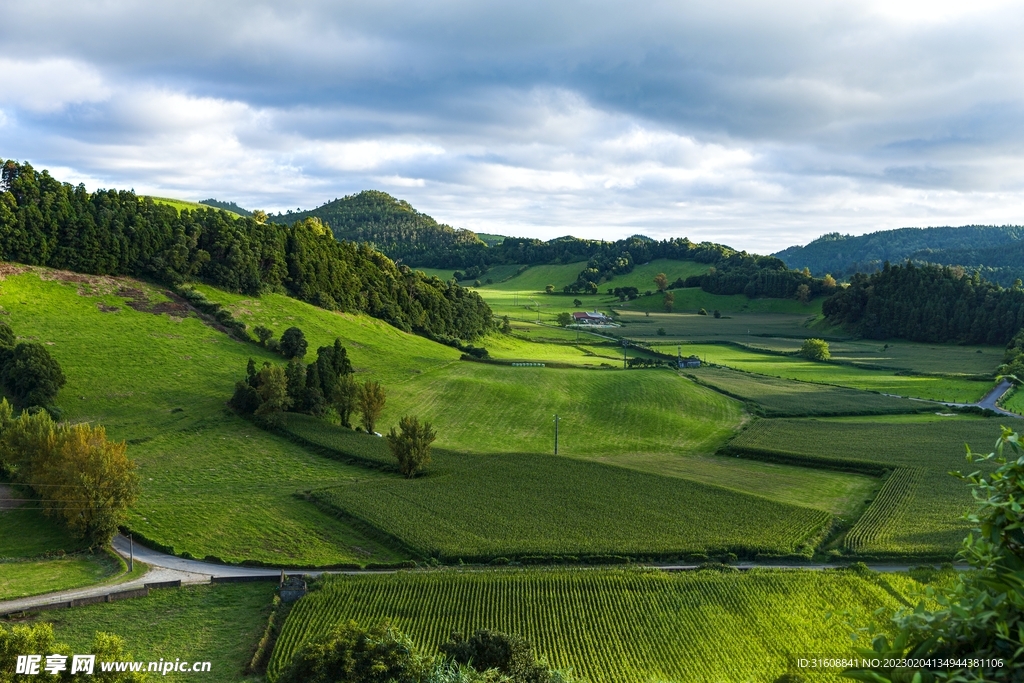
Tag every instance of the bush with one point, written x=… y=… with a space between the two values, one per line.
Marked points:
x=815 y=349
x=509 y=654
x=379 y=654
x=662 y=332
x=411 y=446
x=293 y=343
x=32 y=375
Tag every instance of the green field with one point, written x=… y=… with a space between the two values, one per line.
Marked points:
x=181 y=205
x=219 y=623
x=692 y=299
x=37 y=555
x=212 y=484
x=479 y=507
x=622 y=626
x=937 y=388
x=920 y=508
x=706 y=328
x=1015 y=402
x=775 y=397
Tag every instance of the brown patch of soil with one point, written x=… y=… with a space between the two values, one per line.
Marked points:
x=107 y=309
x=11 y=269
x=137 y=300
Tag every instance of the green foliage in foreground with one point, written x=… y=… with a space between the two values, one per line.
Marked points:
x=925 y=515
x=629 y=626
x=38 y=639
x=776 y=397
x=815 y=349
x=981 y=618
x=479 y=507
x=219 y=623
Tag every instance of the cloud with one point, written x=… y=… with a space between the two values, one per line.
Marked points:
x=743 y=122
x=47 y=85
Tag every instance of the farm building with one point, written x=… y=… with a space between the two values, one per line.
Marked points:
x=592 y=318
x=691 y=362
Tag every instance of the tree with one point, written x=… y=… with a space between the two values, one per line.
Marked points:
x=350 y=653
x=263 y=334
x=411 y=446
x=293 y=343
x=81 y=478
x=564 y=319
x=344 y=396
x=260 y=216
x=577 y=303
x=508 y=653
x=661 y=282
x=506 y=325
x=815 y=349
x=273 y=393
x=662 y=332
x=549 y=289
x=828 y=283
x=32 y=376
x=803 y=294
x=371 y=404
x=717 y=313
x=669 y=301
x=315 y=402
x=981 y=617
x=89 y=483
x=295 y=383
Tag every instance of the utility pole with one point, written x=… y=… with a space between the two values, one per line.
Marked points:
x=625 y=343
x=556 y=433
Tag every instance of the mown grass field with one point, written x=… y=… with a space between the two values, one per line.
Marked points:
x=181 y=204
x=684 y=326
x=480 y=507
x=919 y=511
x=37 y=555
x=219 y=623
x=776 y=397
x=212 y=484
x=937 y=388
x=1015 y=402
x=623 y=626
x=692 y=299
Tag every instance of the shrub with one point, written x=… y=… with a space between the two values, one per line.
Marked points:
x=32 y=375
x=662 y=332
x=815 y=349
x=350 y=653
x=411 y=446
x=293 y=343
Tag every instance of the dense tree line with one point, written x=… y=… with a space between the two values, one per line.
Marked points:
x=928 y=304
x=394 y=227
x=996 y=251
x=110 y=232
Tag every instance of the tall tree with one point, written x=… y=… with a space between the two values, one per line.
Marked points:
x=661 y=282
x=293 y=343
x=371 y=404
x=411 y=445
x=344 y=397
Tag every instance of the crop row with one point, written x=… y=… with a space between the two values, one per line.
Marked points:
x=482 y=507
x=883 y=517
x=608 y=625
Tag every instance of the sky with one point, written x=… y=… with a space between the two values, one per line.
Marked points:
x=755 y=124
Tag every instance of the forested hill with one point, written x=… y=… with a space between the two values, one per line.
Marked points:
x=976 y=247
x=397 y=229
x=46 y=222
x=927 y=304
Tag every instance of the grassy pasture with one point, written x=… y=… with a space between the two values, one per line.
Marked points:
x=778 y=397
x=953 y=389
x=219 y=623
x=479 y=507
x=840 y=493
x=34 y=577
x=624 y=626
x=182 y=205
x=923 y=508
x=212 y=484
x=688 y=326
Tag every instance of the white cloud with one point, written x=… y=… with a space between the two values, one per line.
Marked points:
x=47 y=85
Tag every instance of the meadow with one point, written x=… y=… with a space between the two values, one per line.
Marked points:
x=38 y=556
x=481 y=507
x=160 y=382
x=920 y=509
x=931 y=387
x=629 y=626
x=776 y=397
x=181 y=205
x=218 y=623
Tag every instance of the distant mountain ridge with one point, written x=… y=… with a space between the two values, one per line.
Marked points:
x=996 y=251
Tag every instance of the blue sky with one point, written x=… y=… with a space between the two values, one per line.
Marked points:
x=759 y=125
